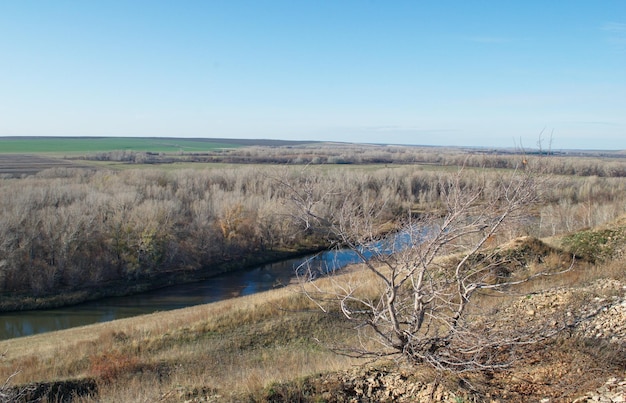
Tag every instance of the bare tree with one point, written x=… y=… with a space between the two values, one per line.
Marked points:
x=416 y=301
x=9 y=393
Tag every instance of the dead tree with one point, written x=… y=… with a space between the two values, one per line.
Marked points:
x=414 y=298
x=9 y=393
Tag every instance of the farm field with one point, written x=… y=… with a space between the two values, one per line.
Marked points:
x=29 y=155
x=72 y=145
x=22 y=164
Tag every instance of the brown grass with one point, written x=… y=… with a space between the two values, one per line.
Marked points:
x=234 y=347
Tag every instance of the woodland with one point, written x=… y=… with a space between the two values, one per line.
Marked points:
x=70 y=230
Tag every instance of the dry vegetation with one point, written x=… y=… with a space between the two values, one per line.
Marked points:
x=272 y=346
x=231 y=346
x=63 y=230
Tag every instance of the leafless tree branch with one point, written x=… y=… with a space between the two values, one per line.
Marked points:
x=425 y=275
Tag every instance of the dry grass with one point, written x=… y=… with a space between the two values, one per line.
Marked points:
x=234 y=347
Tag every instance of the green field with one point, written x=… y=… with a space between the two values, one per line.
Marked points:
x=57 y=145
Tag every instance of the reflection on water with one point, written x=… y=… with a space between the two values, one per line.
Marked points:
x=230 y=285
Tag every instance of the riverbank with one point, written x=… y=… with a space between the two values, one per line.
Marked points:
x=273 y=346
x=14 y=303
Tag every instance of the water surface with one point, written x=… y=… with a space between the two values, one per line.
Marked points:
x=229 y=285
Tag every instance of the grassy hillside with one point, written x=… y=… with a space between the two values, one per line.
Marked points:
x=273 y=347
x=236 y=346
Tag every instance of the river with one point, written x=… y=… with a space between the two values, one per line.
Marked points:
x=229 y=285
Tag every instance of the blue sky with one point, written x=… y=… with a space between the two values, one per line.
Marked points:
x=479 y=73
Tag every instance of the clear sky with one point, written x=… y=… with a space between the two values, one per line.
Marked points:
x=481 y=73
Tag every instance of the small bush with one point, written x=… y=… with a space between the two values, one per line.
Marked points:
x=595 y=246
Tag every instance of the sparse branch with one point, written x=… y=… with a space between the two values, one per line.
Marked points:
x=426 y=274
x=9 y=393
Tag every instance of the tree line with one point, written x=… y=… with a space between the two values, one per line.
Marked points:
x=559 y=163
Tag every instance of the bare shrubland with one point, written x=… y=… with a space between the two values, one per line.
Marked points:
x=66 y=230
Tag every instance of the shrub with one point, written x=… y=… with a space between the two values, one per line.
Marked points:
x=111 y=365
x=595 y=246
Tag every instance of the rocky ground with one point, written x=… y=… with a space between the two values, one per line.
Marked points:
x=548 y=372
